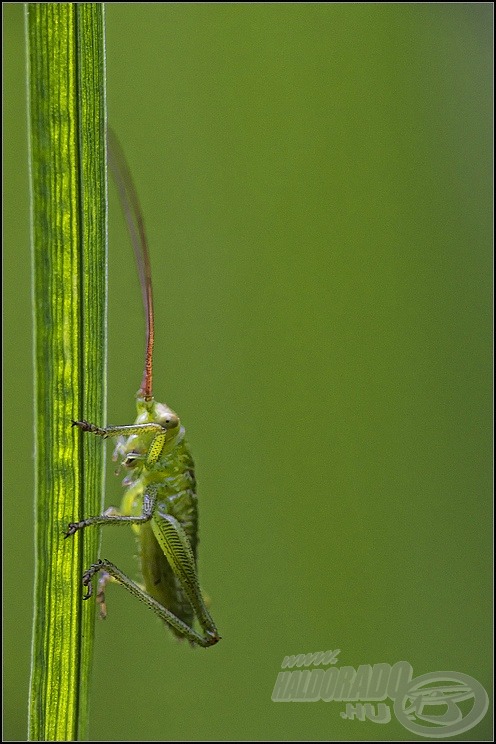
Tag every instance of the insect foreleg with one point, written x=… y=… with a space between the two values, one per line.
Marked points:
x=118 y=431
x=158 y=609
x=155 y=447
x=113 y=516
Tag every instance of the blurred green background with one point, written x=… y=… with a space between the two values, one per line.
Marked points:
x=317 y=185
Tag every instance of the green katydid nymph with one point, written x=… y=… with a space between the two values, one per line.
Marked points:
x=160 y=502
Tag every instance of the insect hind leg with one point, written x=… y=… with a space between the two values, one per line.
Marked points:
x=112 y=573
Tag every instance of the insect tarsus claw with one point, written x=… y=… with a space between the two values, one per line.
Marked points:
x=88 y=586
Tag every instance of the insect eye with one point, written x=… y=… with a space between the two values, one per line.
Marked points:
x=170 y=421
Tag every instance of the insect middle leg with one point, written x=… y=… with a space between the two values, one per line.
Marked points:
x=113 y=516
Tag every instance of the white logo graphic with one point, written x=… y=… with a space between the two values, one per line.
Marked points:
x=428 y=705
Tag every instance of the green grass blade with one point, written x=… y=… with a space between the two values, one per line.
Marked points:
x=68 y=206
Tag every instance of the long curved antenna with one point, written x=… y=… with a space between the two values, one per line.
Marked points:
x=136 y=226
